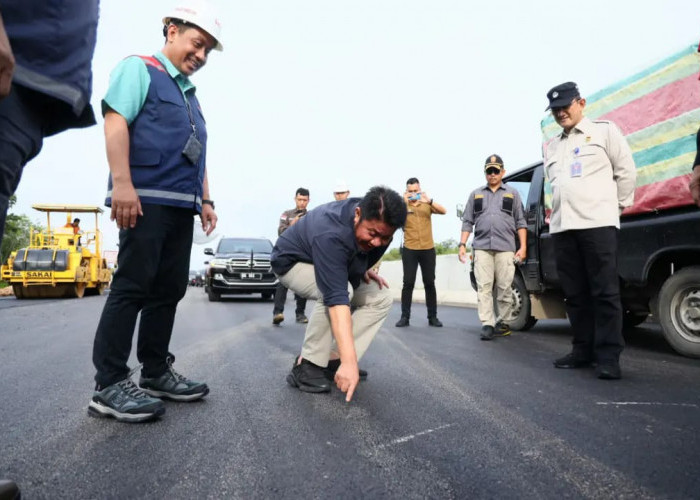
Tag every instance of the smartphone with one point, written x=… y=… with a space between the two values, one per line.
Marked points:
x=414 y=197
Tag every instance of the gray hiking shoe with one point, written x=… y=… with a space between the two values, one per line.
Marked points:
x=125 y=402
x=172 y=385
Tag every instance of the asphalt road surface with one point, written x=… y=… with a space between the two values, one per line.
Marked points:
x=442 y=414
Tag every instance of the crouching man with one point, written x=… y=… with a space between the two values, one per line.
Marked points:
x=328 y=256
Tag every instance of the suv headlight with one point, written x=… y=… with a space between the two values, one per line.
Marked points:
x=218 y=263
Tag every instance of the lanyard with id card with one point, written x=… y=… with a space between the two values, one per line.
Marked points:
x=193 y=148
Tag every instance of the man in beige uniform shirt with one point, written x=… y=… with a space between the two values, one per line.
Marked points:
x=592 y=174
x=419 y=249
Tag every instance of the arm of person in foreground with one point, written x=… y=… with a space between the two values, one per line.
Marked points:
x=208 y=215
x=126 y=206
x=348 y=375
x=7 y=62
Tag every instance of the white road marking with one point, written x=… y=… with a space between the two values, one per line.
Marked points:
x=413 y=436
x=645 y=403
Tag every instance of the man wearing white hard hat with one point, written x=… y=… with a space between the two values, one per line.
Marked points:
x=156 y=140
x=341 y=191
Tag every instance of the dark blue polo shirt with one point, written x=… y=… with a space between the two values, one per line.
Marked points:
x=325 y=237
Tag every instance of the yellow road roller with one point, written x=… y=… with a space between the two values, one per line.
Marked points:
x=61 y=261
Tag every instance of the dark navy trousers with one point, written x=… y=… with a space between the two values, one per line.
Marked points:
x=151 y=278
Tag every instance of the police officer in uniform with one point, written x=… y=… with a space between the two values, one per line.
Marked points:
x=494 y=213
x=592 y=174
x=287 y=219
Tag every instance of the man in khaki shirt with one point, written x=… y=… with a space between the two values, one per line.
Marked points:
x=419 y=250
x=592 y=174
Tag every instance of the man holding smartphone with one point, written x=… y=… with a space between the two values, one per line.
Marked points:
x=288 y=219
x=419 y=250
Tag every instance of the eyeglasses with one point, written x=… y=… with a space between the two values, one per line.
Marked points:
x=493 y=171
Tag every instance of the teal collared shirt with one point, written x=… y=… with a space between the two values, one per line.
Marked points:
x=129 y=82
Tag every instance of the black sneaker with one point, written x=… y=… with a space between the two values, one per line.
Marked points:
x=434 y=321
x=502 y=329
x=572 y=360
x=334 y=364
x=301 y=318
x=486 y=332
x=172 y=385
x=308 y=377
x=277 y=318
x=402 y=322
x=125 y=402
x=608 y=371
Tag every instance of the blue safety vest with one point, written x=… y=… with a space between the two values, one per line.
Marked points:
x=160 y=173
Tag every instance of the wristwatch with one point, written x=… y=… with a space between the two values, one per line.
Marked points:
x=430 y=202
x=462 y=245
x=208 y=202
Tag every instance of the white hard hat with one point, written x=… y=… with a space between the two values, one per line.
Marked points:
x=200 y=13
x=340 y=186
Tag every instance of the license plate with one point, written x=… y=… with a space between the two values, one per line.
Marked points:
x=251 y=276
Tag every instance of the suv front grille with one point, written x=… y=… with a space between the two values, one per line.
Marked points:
x=242 y=265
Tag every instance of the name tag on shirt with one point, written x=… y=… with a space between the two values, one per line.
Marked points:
x=576 y=169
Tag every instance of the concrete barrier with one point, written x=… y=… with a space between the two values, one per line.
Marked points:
x=451 y=281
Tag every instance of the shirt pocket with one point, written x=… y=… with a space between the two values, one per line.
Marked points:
x=172 y=111
x=507 y=204
x=478 y=204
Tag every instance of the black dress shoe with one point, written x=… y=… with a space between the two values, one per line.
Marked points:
x=571 y=360
x=308 y=377
x=334 y=364
x=9 y=490
x=402 y=322
x=608 y=371
x=434 y=321
x=486 y=332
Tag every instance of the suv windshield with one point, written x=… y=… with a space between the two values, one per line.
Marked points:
x=243 y=245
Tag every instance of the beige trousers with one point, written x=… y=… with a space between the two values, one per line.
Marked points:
x=489 y=267
x=371 y=307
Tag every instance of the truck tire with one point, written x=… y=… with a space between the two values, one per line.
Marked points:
x=679 y=311
x=521 y=318
x=213 y=296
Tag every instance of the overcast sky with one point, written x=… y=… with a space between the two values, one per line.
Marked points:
x=373 y=92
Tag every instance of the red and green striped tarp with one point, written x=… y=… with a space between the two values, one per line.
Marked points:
x=658 y=110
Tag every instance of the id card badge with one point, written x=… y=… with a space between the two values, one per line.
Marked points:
x=193 y=149
x=576 y=169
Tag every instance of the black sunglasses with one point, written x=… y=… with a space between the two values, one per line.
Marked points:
x=493 y=171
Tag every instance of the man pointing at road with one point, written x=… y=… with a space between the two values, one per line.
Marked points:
x=328 y=256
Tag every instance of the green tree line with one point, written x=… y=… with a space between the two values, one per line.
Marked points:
x=442 y=248
x=16 y=234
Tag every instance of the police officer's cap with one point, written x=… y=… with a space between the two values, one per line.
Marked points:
x=562 y=95
x=493 y=161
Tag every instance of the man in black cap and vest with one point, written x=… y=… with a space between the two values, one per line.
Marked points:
x=494 y=213
x=592 y=175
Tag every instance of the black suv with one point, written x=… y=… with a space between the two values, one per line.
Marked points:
x=240 y=265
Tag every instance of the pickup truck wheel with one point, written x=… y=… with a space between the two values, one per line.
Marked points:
x=213 y=296
x=679 y=311
x=521 y=318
